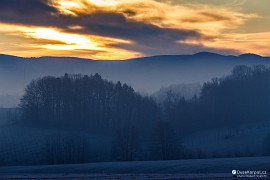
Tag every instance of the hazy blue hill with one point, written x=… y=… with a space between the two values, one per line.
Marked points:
x=146 y=74
x=8 y=57
x=8 y=61
x=201 y=55
x=251 y=56
x=209 y=55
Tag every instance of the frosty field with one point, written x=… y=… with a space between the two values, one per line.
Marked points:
x=199 y=168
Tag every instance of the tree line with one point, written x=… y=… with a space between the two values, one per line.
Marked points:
x=84 y=101
x=91 y=102
x=230 y=101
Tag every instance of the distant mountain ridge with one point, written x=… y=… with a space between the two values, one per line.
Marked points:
x=145 y=74
x=200 y=55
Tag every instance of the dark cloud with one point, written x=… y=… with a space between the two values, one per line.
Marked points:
x=116 y=25
x=148 y=39
x=17 y=9
x=161 y=47
x=28 y=12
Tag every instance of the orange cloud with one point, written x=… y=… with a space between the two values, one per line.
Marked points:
x=208 y=19
x=55 y=42
x=257 y=43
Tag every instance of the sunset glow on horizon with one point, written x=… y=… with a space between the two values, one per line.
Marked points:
x=121 y=29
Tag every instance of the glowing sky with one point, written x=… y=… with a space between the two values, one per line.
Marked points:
x=122 y=29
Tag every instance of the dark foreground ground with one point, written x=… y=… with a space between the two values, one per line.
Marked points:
x=114 y=176
x=180 y=169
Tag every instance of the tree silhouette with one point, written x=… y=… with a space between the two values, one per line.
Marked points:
x=166 y=143
x=84 y=101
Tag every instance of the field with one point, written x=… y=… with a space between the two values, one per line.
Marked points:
x=114 y=176
x=189 y=169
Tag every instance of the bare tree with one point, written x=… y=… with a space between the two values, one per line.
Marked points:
x=125 y=144
x=166 y=143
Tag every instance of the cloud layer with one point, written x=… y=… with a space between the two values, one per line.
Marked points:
x=117 y=29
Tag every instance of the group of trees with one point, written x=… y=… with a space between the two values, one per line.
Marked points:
x=243 y=96
x=84 y=101
x=136 y=122
x=239 y=98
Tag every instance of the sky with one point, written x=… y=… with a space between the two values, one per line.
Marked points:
x=123 y=29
